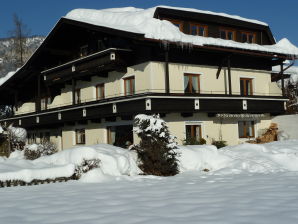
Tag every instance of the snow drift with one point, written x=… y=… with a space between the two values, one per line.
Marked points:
x=116 y=162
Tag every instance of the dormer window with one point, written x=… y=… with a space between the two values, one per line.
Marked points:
x=198 y=30
x=227 y=34
x=84 y=51
x=248 y=37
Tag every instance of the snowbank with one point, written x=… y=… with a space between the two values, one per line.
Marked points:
x=287 y=126
x=141 y=21
x=116 y=162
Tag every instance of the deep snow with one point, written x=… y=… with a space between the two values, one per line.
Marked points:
x=246 y=184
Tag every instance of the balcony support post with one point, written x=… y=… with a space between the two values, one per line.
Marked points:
x=38 y=103
x=282 y=79
x=229 y=75
x=73 y=85
x=167 y=76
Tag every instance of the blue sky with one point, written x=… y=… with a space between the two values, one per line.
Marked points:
x=41 y=15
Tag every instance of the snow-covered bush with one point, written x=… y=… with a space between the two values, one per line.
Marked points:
x=35 y=151
x=17 y=137
x=156 y=148
x=86 y=166
x=194 y=141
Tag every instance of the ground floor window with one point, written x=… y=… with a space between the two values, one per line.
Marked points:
x=31 y=138
x=121 y=136
x=193 y=132
x=80 y=136
x=246 y=129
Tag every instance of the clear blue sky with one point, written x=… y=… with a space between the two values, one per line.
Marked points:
x=41 y=15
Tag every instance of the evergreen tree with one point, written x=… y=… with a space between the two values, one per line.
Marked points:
x=156 y=148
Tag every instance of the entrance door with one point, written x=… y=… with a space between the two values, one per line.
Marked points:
x=121 y=136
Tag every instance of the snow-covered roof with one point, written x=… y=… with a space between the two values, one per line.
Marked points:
x=6 y=77
x=141 y=21
x=293 y=71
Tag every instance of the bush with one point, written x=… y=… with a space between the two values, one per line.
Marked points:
x=35 y=151
x=86 y=166
x=156 y=149
x=194 y=141
x=17 y=137
x=219 y=144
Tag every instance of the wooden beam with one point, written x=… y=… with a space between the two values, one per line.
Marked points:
x=73 y=87
x=282 y=79
x=38 y=100
x=167 y=76
x=229 y=75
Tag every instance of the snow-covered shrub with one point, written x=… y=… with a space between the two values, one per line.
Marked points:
x=35 y=151
x=17 y=137
x=219 y=144
x=194 y=141
x=86 y=166
x=156 y=148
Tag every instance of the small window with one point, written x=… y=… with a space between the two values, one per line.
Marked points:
x=246 y=87
x=100 y=91
x=227 y=34
x=129 y=85
x=246 y=129
x=31 y=138
x=248 y=37
x=45 y=101
x=80 y=136
x=84 y=51
x=198 y=30
x=193 y=132
x=77 y=96
x=191 y=83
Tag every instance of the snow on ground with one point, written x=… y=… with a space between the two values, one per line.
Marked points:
x=189 y=198
x=246 y=184
x=141 y=21
x=286 y=125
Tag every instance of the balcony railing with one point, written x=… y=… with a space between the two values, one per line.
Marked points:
x=158 y=92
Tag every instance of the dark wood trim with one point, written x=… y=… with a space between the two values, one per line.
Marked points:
x=229 y=75
x=167 y=75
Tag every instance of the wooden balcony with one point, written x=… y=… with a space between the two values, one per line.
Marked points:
x=83 y=68
x=128 y=106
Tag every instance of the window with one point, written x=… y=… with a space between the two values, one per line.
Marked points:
x=80 y=136
x=100 y=91
x=227 y=34
x=198 y=30
x=129 y=86
x=177 y=23
x=45 y=101
x=31 y=138
x=248 y=37
x=77 y=96
x=191 y=83
x=84 y=51
x=193 y=132
x=246 y=87
x=246 y=129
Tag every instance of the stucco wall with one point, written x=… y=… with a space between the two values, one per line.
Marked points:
x=150 y=76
